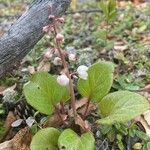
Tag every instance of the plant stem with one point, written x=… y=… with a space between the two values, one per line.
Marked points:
x=62 y=107
x=72 y=94
x=59 y=115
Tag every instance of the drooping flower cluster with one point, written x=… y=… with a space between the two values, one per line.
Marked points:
x=63 y=79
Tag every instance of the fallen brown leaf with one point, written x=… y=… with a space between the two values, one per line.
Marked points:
x=31 y=69
x=137 y=2
x=3 y=88
x=147 y=116
x=83 y=124
x=144 y=124
x=44 y=65
x=120 y=46
x=22 y=139
x=9 y=120
x=81 y=102
x=55 y=121
x=90 y=108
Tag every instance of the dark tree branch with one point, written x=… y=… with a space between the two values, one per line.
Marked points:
x=27 y=31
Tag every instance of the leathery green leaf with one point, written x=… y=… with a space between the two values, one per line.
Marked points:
x=45 y=139
x=99 y=82
x=43 y=91
x=121 y=106
x=69 y=140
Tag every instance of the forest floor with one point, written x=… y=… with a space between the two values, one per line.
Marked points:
x=125 y=42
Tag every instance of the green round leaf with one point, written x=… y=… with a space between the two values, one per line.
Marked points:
x=121 y=106
x=45 y=139
x=99 y=82
x=69 y=140
x=88 y=141
x=42 y=91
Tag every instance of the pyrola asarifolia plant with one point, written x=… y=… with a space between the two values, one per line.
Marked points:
x=48 y=95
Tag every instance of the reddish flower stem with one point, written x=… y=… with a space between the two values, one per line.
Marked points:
x=62 y=107
x=67 y=72
x=59 y=115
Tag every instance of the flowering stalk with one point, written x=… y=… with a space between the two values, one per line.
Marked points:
x=66 y=71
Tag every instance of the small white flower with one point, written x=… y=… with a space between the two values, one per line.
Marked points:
x=82 y=72
x=51 y=17
x=77 y=16
x=61 y=20
x=83 y=75
x=82 y=68
x=63 y=80
x=59 y=37
x=48 y=54
x=72 y=57
x=57 y=61
x=46 y=29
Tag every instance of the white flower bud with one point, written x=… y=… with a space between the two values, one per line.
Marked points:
x=48 y=54
x=46 y=29
x=72 y=57
x=57 y=61
x=63 y=80
x=51 y=17
x=83 y=75
x=76 y=16
x=59 y=37
x=82 y=68
x=82 y=72
x=61 y=20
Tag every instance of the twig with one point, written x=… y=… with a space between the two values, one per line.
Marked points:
x=84 y=11
x=90 y=11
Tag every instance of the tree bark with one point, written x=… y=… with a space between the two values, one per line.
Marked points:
x=27 y=31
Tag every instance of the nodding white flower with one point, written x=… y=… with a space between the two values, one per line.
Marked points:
x=76 y=16
x=82 y=68
x=83 y=75
x=48 y=54
x=46 y=29
x=72 y=57
x=82 y=72
x=57 y=61
x=63 y=80
x=51 y=17
x=59 y=37
x=61 y=20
